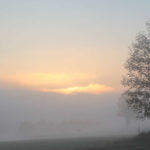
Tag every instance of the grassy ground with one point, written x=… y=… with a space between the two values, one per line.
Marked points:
x=141 y=142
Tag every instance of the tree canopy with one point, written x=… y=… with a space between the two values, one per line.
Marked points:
x=137 y=79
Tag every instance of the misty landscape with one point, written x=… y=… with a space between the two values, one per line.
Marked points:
x=75 y=116
x=75 y=75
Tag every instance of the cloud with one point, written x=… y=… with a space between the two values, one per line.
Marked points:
x=61 y=83
x=91 y=89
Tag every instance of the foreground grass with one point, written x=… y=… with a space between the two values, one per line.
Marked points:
x=141 y=142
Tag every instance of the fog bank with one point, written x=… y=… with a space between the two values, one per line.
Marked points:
x=34 y=115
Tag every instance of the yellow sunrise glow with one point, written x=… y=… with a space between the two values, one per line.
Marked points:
x=91 y=89
x=60 y=83
x=48 y=79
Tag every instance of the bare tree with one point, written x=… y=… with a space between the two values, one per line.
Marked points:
x=137 y=79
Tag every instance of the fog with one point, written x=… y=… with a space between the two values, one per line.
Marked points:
x=28 y=114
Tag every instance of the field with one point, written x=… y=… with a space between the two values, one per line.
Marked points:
x=136 y=143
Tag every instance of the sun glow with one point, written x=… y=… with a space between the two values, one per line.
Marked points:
x=57 y=83
x=91 y=89
x=48 y=79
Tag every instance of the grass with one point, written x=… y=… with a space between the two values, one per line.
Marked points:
x=141 y=142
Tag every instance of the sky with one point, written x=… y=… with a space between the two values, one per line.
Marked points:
x=69 y=37
x=65 y=49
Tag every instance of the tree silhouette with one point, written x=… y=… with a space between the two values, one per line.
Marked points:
x=137 y=79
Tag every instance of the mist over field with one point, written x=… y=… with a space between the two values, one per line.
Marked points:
x=33 y=115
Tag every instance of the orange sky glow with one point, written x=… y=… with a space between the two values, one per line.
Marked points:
x=90 y=89
x=60 y=83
